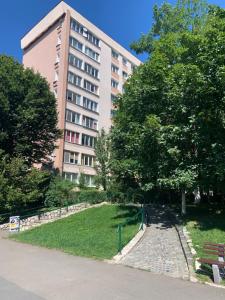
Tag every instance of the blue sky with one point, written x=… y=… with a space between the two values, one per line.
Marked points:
x=132 y=18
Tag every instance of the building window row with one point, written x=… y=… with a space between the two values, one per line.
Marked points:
x=85 y=32
x=81 y=101
x=79 y=64
x=82 y=83
x=114 y=83
x=75 y=118
x=73 y=158
x=114 y=69
x=90 y=123
x=72 y=117
x=74 y=138
x=115 y=55
x=74 y=177
x=74 y=43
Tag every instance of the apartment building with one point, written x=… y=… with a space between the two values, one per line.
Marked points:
x=86 y=70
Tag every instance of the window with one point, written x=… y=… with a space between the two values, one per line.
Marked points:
x=56 y=75
x=75 y=61
x=90 y=123
x=73 y=97
x=71 y=157
x=74 y=79
x=72 y=137
x=92 y=39
x=88 y=140
x=76 y=44
x=90 y=87
x=125 y=75
x=133 y=67
x=115 y=54
x=114 y=84
x=57 y=57
x=90 y=70
x=71 y=176
x=87 y=160
x=113 y=98
x=113 y=113
x=114 y=69
x=55 y=93
x=89 y=104
x=91 y=53
x=89 y=180
x=72 y=117
x=59 y=40
x=74 y=25
x=124 y=61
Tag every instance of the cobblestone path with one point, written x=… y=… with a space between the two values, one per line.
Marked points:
x=159 y=250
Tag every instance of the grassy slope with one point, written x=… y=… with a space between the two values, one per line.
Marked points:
x=91 y=233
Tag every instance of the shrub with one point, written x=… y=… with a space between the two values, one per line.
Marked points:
x=60 y=193
x=92 y=196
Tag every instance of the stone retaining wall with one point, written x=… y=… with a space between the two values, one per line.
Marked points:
x=47 y=217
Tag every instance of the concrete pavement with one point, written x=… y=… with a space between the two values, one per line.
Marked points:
x=28 y=272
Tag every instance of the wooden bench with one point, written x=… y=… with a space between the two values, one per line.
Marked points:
x=217 y=267
x=214 y=244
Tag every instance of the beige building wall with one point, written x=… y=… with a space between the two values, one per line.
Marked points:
x=46 y=49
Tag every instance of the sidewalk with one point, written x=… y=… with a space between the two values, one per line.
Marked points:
x=159 y=251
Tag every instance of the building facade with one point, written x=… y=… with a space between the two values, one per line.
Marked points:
x=86 y=70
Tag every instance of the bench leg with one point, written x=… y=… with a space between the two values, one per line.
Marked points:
x=216 y=274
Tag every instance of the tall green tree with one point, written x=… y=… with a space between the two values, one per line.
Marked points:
x=170 y=127
x=28 y=116
x=102 y=162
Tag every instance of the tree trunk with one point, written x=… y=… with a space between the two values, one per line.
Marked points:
x=183 y=205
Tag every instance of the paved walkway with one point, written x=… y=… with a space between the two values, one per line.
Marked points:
x=33 y=273
x=159 y=250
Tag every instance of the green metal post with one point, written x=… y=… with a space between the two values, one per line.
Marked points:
x=119 y=238
x=142 y=218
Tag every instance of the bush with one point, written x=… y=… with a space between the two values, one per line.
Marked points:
x=60 y=193
x=92 y=196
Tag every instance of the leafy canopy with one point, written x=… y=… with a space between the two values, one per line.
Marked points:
x=28 y=117
x=170 y=126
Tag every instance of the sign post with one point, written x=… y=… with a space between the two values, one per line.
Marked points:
x=14 y=224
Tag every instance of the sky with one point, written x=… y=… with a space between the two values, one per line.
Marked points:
x=123 y=20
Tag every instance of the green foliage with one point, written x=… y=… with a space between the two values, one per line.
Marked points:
x=92 y=196
x=169 y=130
x=82 y=183
x=20 y=185
x=60 y=193
x=185 y=15
x=28 y=117
x=102 y=164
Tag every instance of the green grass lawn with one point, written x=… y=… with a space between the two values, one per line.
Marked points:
x=91 y=233
x=205 y=224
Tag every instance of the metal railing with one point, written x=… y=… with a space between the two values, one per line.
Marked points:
x=138 y=216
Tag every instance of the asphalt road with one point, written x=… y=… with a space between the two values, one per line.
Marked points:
x=33 y=273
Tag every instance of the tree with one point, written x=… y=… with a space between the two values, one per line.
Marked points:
x=28 y=117
x=20 y=185
x=102 y=163
x=169 y=130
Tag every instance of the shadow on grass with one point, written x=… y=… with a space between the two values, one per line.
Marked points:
x=206 y=217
